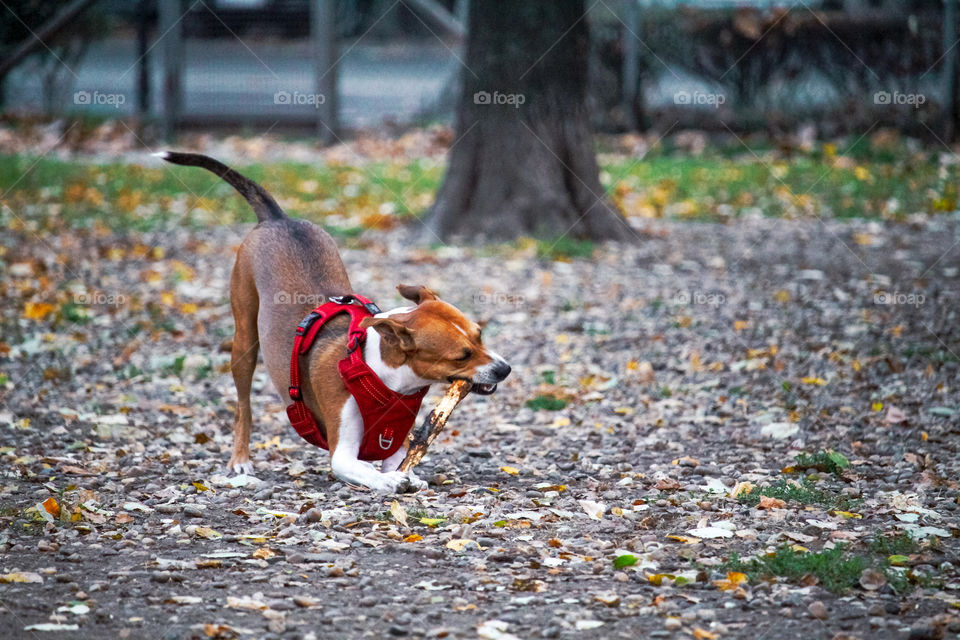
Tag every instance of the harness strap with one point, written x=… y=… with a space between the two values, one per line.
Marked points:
x=396 y=411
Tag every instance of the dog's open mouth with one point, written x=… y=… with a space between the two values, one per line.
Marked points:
x=483 y=389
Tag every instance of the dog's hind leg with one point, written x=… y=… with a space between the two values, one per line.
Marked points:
x=245 y=303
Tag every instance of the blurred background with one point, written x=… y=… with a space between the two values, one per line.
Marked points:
x=832 y=66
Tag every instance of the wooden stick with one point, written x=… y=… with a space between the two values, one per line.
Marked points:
x=426 y=433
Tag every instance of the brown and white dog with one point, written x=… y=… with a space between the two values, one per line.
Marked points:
x=284 y=266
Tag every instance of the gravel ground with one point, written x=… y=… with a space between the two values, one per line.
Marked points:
x=695 y=363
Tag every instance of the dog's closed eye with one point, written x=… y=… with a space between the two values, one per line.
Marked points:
x=467 y=354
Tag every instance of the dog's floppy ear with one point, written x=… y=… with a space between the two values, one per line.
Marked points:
x=392 y=332
x=416 y=293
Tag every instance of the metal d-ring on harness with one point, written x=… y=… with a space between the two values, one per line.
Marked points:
x=387 y=415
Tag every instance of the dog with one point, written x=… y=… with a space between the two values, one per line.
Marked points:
x=282 y=265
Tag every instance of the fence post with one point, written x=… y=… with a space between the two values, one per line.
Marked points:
x=143 y=64
x=323 y=38
x=630 y=68
x=170 y=31
x=949 y=77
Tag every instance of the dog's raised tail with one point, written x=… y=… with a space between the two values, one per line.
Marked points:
x=262 y=202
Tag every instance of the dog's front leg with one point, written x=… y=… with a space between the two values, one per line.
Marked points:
x=346 y=465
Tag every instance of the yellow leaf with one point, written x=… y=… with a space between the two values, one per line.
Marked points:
x=431 y=522
x=633 y=365
x=685 y=539
x=561 y=422
x=188 y=308
x=18 y=576
x=413 y=537
x=166 y=297
x=208 y=533
x=924 y=436
x=683 y=321
x=846 y=514
x=199 y=486
x=459 y=544
x=511 y=470
x=782 y=296
x=703 y=634
x=740 y=325
x=561 y=338
x=733 y=580
x=877 y=406
x=398 y=513
x=263 y=553
x=813 y=380
x=658 y=578
x=624 y=411
x=37 y=310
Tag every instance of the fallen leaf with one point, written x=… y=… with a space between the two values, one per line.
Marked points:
x=586 y=625
x=413 y=537
x=895 y=415
x=51 y=506
x=766 y=502
x=814 y=380
x=51 y=626
x=626 y=560
x=21 y=576
x=246 y=602
x=511 y=470
x=186 y=600
x=711 y=532
x=871 y=579
x=495 y=630
x=263 y=553
x=703 y=634
x=733 y=580
x=458 y=544
x=399 y=513
x=594 y=510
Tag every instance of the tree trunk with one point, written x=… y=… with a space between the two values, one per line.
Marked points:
x=523 y=162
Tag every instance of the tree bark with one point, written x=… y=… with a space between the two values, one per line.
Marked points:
x=523 y=162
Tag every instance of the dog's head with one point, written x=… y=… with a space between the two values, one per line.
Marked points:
x=437 y=342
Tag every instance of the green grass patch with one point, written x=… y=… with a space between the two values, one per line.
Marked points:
x=564 y=248
x=719 y=185
x=804 y=492
x=836 y=569
x=827 y=461
x=546 y=402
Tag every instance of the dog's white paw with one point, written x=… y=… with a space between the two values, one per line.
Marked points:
x=398 y=482
x=242 y=468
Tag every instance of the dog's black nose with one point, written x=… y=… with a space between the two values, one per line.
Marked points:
x=502 y=370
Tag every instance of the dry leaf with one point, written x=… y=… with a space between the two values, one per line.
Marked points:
x=399 y=513
x=766 y=502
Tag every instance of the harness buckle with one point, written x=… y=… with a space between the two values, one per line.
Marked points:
x=372 y=308
x=386 y=443
x=307 y=322
x=347 y=299
x=295 y=394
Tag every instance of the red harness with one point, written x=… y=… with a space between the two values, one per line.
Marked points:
x=387 y=415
